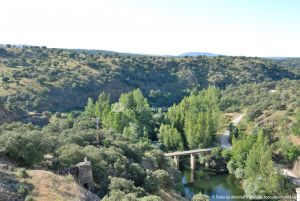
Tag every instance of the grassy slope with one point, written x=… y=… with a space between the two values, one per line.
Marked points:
x=47 y=186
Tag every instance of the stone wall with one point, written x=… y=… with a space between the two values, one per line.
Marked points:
x=83 y=174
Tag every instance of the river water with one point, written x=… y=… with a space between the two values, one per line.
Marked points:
x=217 y=186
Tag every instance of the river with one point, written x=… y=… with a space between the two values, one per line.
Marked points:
x=217 y=186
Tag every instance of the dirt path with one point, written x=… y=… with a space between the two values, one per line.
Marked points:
x=289 y=173
x=225 y=138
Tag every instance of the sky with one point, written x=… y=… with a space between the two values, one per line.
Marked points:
x=164 y=27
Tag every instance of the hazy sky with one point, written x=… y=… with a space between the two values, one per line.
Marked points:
x=232 y=27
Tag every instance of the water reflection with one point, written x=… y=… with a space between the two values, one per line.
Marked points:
x=210 y=183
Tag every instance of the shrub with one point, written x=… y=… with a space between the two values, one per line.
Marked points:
x=21 y=173
x=29 y=198
x=200 y=197
x=231 y=166
x=239 y=173
x=253 y=114
x=22 y=190
x=5 y=79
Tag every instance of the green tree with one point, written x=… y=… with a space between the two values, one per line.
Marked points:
x=170 y=137
x=125 y=186
x=90 y=108
x=261 y=177
x=70 y=154
x=27 y=148
x=102 y=105
x=200 y=197
x=296 y=125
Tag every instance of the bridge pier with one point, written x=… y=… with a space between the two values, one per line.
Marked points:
x=298 y=194
x=193 y=161
x=176 y=161
x=192 y=176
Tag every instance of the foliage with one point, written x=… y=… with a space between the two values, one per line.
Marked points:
x=61 y=79
x=196 y=117
x=200 y=197
x=240 y=149
x=125 y=186
x=252 y=161
x=296 y=125
x=26 y=147
x=286 y=151
x=21 y=173
x=131 y=115
x=37 y=82
x=170 y=137
x=22 y=190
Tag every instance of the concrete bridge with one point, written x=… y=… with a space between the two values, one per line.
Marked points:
x=224 y=141
x=193 y=153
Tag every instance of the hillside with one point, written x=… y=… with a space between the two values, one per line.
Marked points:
x=123 y=112
x=49 y=186
x=37 y=79
x=196 y=54
x=44 y=186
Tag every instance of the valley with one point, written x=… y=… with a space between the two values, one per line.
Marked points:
x=124 y=113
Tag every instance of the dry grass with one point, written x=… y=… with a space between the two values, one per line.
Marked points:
x=294 y=139
x=225 y=119
x=49 y=186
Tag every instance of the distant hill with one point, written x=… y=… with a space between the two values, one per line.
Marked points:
x=36 y=79
x=195 y=54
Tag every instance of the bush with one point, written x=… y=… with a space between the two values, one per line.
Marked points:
x=291 y=153
x=126 y=186
x=253 y=114
x=151 y=198
x=226 y=154
x=150 y=184
x=200 y=197
x=119 y=195
x=231 y=166
x=239 y=173
x=22 y=190
x=5 y=79
x=27 y=148
x=29 y=198
x=21 y=173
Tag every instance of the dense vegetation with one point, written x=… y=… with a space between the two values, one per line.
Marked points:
x=193 y=123
x=122 y=166
x=122 y=111
x=253 y=159
x=37 y=79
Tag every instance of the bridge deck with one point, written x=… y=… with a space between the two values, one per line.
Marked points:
x=194 y=151
x=183 y=153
